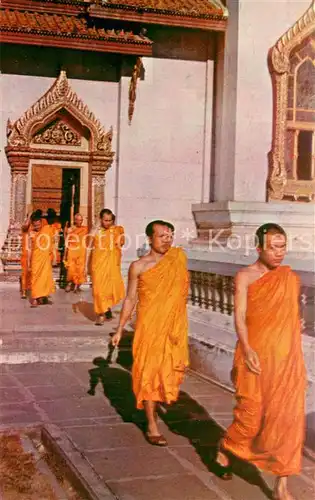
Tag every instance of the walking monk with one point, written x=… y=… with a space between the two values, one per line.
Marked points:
x=75 y=254
x=41 y=258
x=268 y=372
x=160 y=347
x=107 y=283
x=25 y=248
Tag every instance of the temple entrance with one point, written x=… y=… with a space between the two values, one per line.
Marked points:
x=58 y=153
x=58 y=188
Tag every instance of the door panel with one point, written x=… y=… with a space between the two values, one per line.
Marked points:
x=46 y=187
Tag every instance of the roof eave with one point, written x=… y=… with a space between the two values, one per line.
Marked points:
x=76 y=43
x=214 y=23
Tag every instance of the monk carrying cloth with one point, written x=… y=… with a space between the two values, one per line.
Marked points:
x=160 y=347
x=25 y=271
x=269 y=372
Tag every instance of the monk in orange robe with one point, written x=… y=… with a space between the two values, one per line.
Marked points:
x=75 y=254
x=41 y=258
x=107 y=282
x=25 y=272
x=269 y=372
x=160 y=347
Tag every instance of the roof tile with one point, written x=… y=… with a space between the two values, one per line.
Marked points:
x=54 y=24
x=183 y=7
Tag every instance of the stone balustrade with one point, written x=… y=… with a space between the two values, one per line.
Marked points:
x=213 y=290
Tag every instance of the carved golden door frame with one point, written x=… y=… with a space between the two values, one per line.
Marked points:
x=41 y=135
x=278 y=184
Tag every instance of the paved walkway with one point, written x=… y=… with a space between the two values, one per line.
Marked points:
x=108 y=429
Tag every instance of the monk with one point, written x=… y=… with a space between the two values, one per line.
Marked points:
x=268 y=372
x=25 y=272
x=56 y=227
x=41 y=258
x=160 y=347
x=107 y=283
x=75 y=254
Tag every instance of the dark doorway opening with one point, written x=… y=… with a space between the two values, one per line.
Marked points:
x=70 y=200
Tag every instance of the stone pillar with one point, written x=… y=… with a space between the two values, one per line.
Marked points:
x=98 y=196
x=18 y=199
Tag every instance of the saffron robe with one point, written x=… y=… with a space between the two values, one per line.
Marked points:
x=268 y=426
x=76 y=253
x=107 y=283
x=25 y=248
x=160 y=346
x=42 y=283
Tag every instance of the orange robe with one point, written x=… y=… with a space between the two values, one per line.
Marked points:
x=25 y=274
x=76 y=252
x=268 y=426
x=42 y=283
x=160 y=346
x=107 y=282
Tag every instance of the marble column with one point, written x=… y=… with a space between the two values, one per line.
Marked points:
x=98 y=196
x=18 y=198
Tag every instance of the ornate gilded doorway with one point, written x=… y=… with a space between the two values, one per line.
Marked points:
x=57 y=132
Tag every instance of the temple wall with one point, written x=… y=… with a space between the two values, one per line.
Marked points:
x=162 y=159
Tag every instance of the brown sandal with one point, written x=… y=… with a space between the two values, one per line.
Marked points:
x=156 y=440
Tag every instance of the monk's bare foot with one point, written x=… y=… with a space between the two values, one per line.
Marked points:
x=77 y=289
x=100 y=320
x=222 y=459
x=281 y=491
x=23 y=294
x=34 y=303
x=224 y=470
x=68 y=288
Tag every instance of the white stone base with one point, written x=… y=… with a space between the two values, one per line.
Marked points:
x=233 y=224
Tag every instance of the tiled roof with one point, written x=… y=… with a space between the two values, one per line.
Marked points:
x=63 y=26
x=195 y=8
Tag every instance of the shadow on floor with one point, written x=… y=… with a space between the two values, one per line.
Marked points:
x=86 y=309
x=186 y=417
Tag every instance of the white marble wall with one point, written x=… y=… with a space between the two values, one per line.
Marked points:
x=161 y=152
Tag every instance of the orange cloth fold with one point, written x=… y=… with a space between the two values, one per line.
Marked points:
x=25 y=281
x=42 y=283
x=160 y=346
x=76 y=252
x=269 y=417
x=25 y=246
x=56 y=228
x=107 y=282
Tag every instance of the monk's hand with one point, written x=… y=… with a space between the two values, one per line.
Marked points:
x=252 y=361
x=116 y=338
